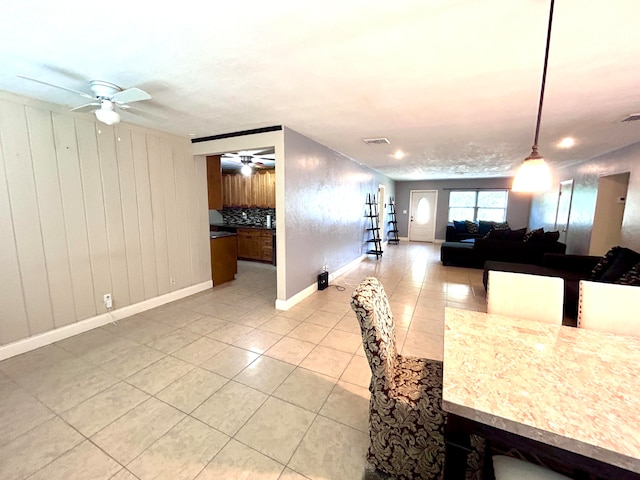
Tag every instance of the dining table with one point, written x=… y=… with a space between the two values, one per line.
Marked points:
x=565 y=394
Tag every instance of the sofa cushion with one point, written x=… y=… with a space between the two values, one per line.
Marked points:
x=534 y=235
x=501 y=226
x=516 y=235
x=551 y=236
x=485 y=226
x=615 y=263
x=632 y=277
x=461 y=227
x=472 y=227
x=496 y=234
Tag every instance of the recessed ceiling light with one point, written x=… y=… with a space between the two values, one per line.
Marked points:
x=192 y=134
x=399 y=155
x=566 y=142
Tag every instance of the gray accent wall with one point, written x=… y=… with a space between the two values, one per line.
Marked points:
x=518 y=206
x=585 y=190
x=87 y=209
x=325 y=194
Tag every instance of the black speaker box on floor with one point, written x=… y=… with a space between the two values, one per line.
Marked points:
x=323 y=280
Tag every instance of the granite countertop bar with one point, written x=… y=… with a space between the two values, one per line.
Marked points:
x=221 y=234
x=240 y=225
x=568 y=387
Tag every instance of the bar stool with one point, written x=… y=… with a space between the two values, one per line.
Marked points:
x=609 y=307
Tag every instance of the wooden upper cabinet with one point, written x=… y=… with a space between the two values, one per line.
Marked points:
x=257 y=190
x=214 y=182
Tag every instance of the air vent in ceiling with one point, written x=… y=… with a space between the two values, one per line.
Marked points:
x=376 y=141
x=632 y=118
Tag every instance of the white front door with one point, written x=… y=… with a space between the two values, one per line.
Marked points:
x=422 y=218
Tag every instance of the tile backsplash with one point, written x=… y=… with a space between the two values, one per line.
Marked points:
x=249 y=216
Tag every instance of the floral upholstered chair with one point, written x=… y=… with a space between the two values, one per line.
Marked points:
x=406 y=420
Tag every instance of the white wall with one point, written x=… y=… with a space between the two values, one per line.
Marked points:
x=87 y=209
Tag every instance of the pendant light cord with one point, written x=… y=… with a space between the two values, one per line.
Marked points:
x=544 y=79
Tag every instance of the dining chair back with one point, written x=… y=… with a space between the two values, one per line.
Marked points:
x=609 y=307
x=406 y=420
x=520 y=295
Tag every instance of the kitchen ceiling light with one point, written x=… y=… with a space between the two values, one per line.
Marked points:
x=246 y=170
x=106 y=113
x=534 y=175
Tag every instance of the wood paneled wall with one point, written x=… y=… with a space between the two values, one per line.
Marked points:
x=87 y=209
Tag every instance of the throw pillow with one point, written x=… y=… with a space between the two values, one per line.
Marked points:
x=484 y=227
x=551 y=237
x=461 y=227
x=472 y=227
x=632 y=277
x=501 y=226
x=624 y=261
x=496 y=234
x=534 y=235
x=604 y=263
x=516 y=235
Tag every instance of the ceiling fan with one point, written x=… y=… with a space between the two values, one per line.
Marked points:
x=106 y=98
x=250 y=159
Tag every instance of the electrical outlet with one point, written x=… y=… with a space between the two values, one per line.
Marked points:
x=108 y=301
x=172 y=281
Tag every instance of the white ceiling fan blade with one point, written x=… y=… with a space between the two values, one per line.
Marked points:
x=87 y=107
x=86 y=95
x=130 y=95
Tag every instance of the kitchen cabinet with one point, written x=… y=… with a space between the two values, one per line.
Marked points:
x=256 y=190
x=255 y=244
x=224 y=257
x=214 y=182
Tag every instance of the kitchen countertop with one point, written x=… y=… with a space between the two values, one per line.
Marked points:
x=572 y=388
x=240 y=225
x=221 y=234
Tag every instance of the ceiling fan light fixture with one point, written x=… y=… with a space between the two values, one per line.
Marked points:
x=106 y=113
x=534 y=176
x=246 y=170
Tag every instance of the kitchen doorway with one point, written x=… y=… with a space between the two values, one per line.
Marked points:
x=609 y=213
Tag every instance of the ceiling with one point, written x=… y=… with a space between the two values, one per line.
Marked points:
x=452 y=83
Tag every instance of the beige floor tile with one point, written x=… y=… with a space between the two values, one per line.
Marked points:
x=190 y=391
x=230 y=407
x=110 y=350
x=331 y=450
x=131 y=361
x=175 y=340
x=38 y=447
x=204 y=325
x=200 y=351
x=86 y=342
x=148 y=331
x=348 y=323
x=343 y=341
x=309 y=332
x=258 y=341
x=338 y=307
x=239 y=462
x=265 y=374
x=280 y=325
x=124 y=474
x=298 y=312
x=181 y=453
x=134 y=432
x=230 y=332
x=97 y=412
x=160 y=374
x=327 y=361
x=276 y=429
x=83 y=462
x=290 y=350
x=348 y=404
x=357 y=372
x=432 y=325
x=40 y=359
x=306 y=389
x=230 y=361
x=19 y=411
x=289 y=474
x=178 y=318
x=324 y=318
x=424 y=344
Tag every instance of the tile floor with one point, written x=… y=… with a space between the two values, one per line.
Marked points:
x=220 y=385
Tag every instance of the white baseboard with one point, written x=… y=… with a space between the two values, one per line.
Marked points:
x=311 y=289
x=403 y=239
x=52 y=336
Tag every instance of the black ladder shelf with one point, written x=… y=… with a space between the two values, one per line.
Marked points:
x=392 y=235
x=374 y=229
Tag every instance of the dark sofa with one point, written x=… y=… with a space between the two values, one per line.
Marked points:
x=619 y=265
x=476 y=253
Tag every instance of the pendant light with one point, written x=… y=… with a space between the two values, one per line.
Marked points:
x=534 y=175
